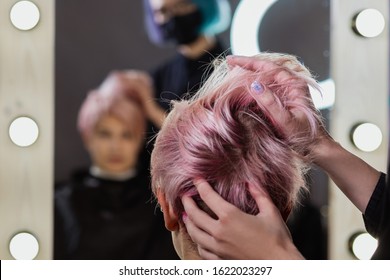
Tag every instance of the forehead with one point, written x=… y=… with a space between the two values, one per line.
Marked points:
x=127 y=117
x=110 y=122
x=157 y=4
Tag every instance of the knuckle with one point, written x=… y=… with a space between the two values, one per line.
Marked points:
x=218 y=233
x=224 y=217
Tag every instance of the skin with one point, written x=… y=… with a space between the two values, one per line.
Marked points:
x=113 y=146
x=219 y=237
x=141 y=83
x=184 y=246
x=265 y=235
x=165 y=9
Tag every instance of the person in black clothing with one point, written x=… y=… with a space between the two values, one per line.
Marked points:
x=106 y=211
x=377 y=217
x=191 y=25
x=266 y=235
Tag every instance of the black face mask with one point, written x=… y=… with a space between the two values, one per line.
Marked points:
x=182 y=30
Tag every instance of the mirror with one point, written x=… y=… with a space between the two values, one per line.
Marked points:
x=101 y=37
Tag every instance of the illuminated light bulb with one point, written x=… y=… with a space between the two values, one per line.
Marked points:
x=23 y=131
x=326 y=98
x=245 y=26
x=369 y=23
x=367 y=137
x=24 y=246
x=24 y=15
x=362 y=245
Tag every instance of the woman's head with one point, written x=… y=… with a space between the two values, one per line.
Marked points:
x=112 y=125
x=226 y=136
x=183 y=21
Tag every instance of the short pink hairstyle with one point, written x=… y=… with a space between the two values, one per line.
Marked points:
x=113 y=98
x=224 y=135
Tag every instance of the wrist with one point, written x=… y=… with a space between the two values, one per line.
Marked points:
x=151 y=107
x=294 y=253
x=323 y=149
x=155 y=113
x=287 y=251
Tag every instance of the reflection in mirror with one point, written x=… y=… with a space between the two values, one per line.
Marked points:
x=87 y=49
x=104 y=46
x=24 y=246
x=247 y=43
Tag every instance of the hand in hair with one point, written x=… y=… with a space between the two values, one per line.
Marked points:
x=264 y=236
x=351 y=174
x=289 y=120
x=287 y=104
x=139 y=84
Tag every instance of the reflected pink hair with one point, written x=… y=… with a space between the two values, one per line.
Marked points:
x=115 y=99
x=224 y=135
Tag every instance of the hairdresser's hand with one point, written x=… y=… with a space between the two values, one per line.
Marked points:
x=141 y=83
x=352 y=175
x=289 y=121
x=237 y=235
x=132 y=83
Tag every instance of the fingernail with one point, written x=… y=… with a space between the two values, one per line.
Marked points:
x=229 y=58
x=257 y=87
x=184 y=217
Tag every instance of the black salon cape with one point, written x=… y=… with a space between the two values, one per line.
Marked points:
x=377 y=218
x=109 y=220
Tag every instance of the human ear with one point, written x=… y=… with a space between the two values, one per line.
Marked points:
x=170 y=217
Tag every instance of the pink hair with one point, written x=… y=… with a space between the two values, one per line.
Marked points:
x=111 y=98
x=224 y=135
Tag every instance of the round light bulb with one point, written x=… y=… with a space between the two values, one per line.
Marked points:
x=364 y=246
x=369 y=23
x=24 y=15
x=367 y=137
x=23 y=131
x=24 y=246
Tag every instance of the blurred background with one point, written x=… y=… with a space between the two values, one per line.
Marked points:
x=99 y=38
